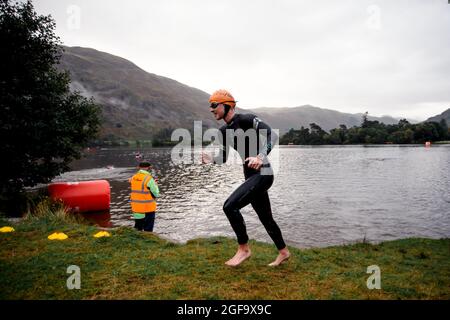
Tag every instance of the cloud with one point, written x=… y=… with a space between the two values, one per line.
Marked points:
x=386 y=57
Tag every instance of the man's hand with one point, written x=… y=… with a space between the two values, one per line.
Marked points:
x=254 y=162
x=206 y=158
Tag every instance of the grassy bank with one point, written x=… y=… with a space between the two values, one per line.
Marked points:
x=133 y=265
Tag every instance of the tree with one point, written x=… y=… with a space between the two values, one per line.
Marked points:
x=365 y=120
x=316 y=134
x=335 y=137
x=443 y=129
x=43 y=126
x=303 y=136
x=403 y=123
x=288 y=137
x=354 y=135
x=371 y=132
x=426 y=131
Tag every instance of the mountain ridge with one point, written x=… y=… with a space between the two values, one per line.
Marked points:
x=444 y=115
x=137 y=104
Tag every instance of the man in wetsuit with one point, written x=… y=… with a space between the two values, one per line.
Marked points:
x=237 y=132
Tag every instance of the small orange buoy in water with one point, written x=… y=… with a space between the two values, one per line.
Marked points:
x=427 y=144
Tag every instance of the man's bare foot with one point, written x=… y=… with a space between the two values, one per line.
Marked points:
x=283 y=256
x=241 y=255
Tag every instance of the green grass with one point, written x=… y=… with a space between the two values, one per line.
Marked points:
x=136 y=265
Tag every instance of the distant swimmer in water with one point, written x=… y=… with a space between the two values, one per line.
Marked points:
x=254 y=190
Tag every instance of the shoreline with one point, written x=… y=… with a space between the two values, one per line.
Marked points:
x=136 y=265
x=287 y=145
x=17 y=220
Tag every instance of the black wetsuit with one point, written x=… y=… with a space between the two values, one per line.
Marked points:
x=254 y=190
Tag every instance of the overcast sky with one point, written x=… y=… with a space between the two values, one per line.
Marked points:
x=385 y=57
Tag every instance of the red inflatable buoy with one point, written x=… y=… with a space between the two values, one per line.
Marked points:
x=82 y=196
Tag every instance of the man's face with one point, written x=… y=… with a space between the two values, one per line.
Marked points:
x=218 y=111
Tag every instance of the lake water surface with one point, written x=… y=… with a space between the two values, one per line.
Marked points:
x=321 y=196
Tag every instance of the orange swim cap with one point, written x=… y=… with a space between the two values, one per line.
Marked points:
x=222 y=96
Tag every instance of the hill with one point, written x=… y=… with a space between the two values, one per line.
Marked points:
x=444 y=115
x=137 y=104
x=287 y=118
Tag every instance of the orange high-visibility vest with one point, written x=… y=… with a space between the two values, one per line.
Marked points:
x=141 y=198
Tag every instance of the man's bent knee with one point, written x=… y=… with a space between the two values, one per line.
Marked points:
x=228 y=208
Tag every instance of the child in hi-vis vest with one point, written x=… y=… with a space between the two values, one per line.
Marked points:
x=144 y=190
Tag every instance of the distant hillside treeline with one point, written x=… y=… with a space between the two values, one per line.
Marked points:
x=371 y=132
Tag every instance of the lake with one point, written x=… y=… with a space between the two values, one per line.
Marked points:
x=321 y=196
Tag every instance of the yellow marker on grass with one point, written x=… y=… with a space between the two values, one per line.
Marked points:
x=101 y=234
x=7 y=229
x=58 y=236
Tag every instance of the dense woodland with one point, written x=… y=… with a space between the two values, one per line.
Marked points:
x=370 y=132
